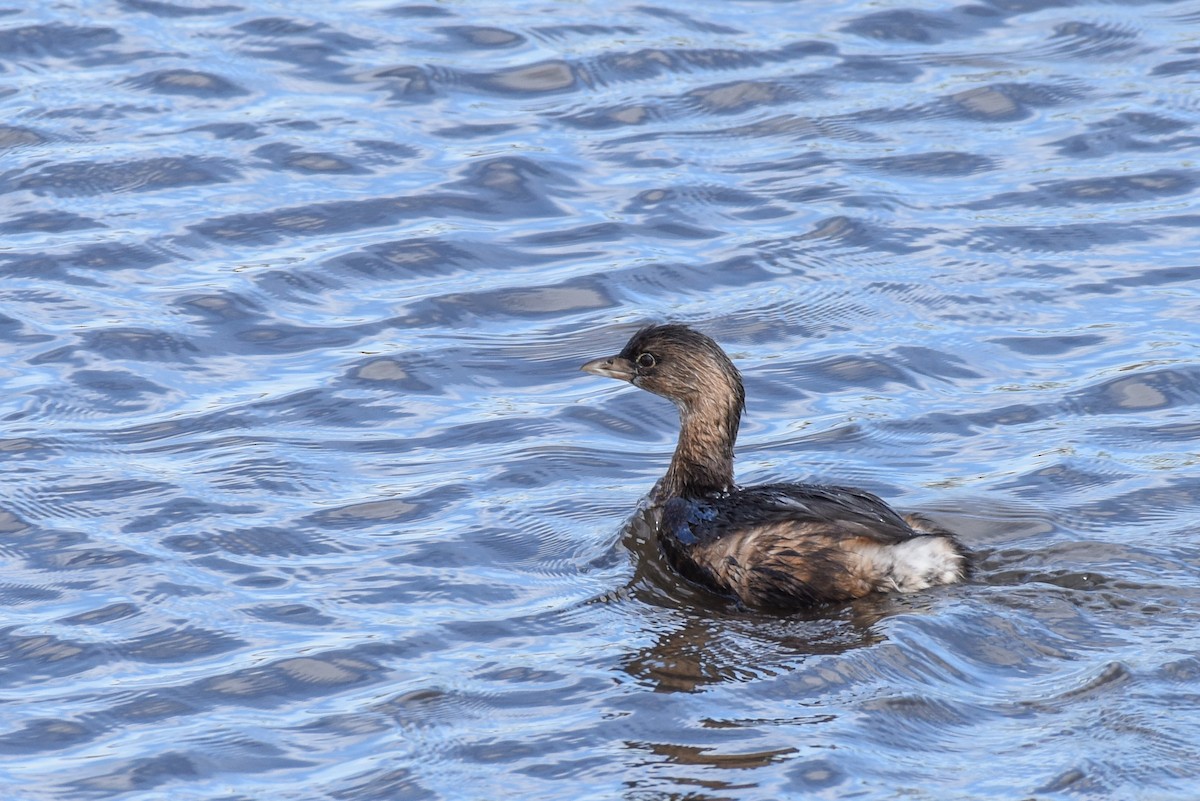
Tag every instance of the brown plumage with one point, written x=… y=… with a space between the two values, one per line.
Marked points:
x=774 y=545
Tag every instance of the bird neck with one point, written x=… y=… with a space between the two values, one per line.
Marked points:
x=703 y=460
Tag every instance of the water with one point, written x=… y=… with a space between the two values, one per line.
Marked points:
x=305 y=497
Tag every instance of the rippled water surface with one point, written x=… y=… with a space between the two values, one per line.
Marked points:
x=304 y=496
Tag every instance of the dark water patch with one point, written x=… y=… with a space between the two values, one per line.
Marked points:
x=173 y=11
x=523 y=185
x=965 y=424
x=30 y=537
x=677 y=199
x=177 y=645
x=287 y=285
x=15 y=331
x=188 y=82
x=475 y=131
x=113 y=391
x=233 y=573
x=313 y=60
x=1078 y=39
x=46 y=734
x=51 y=222
x=1177 y=221
x=23 y=448
x=270 y=28
x=1108 y=189
x=12 y=136
x=1128 y=132
x=1052 y=238
x=722 y=647
x=870 y=69
x=741 y=96
x=296 y=677
x=597 y=232
x=925 y=722
x=30 y=659
x=815 y=775
x=933 y=164
x=231 y=130
x=45 y=548
x=546 y=465
x=198 y=432
x=1146 y=389
x=396 y=784
x=1051 y=345
x=1183 y=66
x=933 y=363
x=571 y=32
x=140 y=344
x=335 y=217
x=17 y=595
x=259 y=541
x=406 y=83
x=180 y=511
x=170 y=767
x=612 y=117
x=559 y=76
x=288 y=338
x=400 y=590
x=389 y=373
x=473 y=434
x=856 y=232
x=417 y=11
x=406 y=259
x=923 y=27
x=291 y=615
x=73 y=266
x=576 y=296
x=313 y=49
x=1064 y=477
x=1149 y=504
x=1149 y=436
x=384 y=152
x=54 y=41
x=93 y=558
x=472 y=36
x=648 y=63
x=1003 y=102
x=324 y=407
x=1019 y=7
x=621 y=427
x=841 y=373
x=273 y=27
x=390 y=510
x=150 y=175
x=105 y=614
x=220 y=308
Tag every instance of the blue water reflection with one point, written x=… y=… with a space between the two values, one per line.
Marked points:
x=306 y=498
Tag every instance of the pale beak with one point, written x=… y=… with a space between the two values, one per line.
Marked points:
x=611 y=367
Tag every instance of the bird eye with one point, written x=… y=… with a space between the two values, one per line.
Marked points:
x=646 y=360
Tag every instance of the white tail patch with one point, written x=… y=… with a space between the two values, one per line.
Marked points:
x=917 y=564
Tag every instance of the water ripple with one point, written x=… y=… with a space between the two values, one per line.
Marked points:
x=306 y=496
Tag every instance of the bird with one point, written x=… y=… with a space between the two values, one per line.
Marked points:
x=767 y=546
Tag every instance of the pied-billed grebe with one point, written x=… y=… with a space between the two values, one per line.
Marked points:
x=774 y=545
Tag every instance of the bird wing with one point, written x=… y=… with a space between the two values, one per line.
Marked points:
x=782 y=544
x=840 y=511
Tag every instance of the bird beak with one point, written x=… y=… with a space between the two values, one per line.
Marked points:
x=611 y=367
